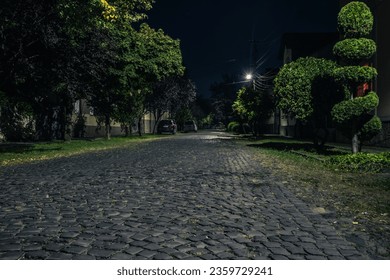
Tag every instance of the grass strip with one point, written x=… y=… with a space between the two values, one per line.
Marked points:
x=17 y=153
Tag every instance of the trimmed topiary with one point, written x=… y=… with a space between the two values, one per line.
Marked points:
x=355 y=74
x=350 y=110
x=371 y=128
x=355 y=20
x=294 y=85
x=353 y=50
x=353 y=115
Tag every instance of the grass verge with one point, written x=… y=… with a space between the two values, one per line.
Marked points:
x=17 y=153
x=358 y=201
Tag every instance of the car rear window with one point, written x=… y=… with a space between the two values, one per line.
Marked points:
x=189 y=123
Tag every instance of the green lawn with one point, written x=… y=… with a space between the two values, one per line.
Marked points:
x=28 y=152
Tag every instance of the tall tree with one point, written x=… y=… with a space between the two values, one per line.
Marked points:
x=222 y=98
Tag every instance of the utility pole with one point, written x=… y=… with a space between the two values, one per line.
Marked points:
x=253 y=57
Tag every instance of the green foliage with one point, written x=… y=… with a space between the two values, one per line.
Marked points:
x=295 y=85
x=181 y=116
x=355 y=20
x=355 y=74
x=253 y=106
x=231 y=125
x=371 y=128
x=361 y=162
x=355 y=49
x=54 y=52
x=352 y=116
x=351 y=110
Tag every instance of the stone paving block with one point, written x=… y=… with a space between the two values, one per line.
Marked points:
x=36 y=255
x=279 y=257
x=296 y=250
x=101 y=253
x=75 y=250
x=121 y=256
x=82 y=242
x=147 y=254
x=13 y=255
x=83 y=257
x=279 y=251
x=59 y=256
x=133 y=250
x=162 y=256
x=315 y=257
x=11 y=247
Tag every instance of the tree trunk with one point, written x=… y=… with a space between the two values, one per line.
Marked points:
x=108 y=127
x=140 y=126
x=356 y=147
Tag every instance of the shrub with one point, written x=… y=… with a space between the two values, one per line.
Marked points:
x=350 y=110
x=355 y=49
x=361 y=162
x=355 y=20
x=231 y=125
x=355 y=74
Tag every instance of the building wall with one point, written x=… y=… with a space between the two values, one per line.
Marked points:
x=91 y=124
x=383 y=58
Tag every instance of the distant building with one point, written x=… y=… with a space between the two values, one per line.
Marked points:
x=91 y=126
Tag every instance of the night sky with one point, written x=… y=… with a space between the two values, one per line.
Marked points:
x=215 y=34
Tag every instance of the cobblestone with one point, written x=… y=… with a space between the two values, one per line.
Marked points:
x=193 y=196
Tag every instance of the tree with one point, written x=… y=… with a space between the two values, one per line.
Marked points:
x=354 y=115
x=305 y=89
x=253 y=106
x=159 y=57
x=170 y=95
x=222 y=98
x=54 y=52
x=33 y=64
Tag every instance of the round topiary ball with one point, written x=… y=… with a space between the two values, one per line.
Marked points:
x=355 y=20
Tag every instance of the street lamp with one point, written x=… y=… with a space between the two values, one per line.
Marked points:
x=250 y=77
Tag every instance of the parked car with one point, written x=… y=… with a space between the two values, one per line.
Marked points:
x=190 y=126
x=168 y=126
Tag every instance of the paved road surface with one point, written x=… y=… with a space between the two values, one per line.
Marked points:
x=192 y=196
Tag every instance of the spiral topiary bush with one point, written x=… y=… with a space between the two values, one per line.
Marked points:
x=354 y=115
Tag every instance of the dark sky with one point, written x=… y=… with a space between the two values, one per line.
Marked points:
x=215 y=34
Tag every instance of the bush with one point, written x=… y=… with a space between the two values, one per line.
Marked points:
x=231 y=125
x=361 y=162
x=350 y=110
x=355 y=20
x=355 y=49
x=355 y=74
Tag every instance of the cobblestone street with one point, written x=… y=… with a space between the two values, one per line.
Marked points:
x=191 y=196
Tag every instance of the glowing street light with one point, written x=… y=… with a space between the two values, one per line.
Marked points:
x=249 y=77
